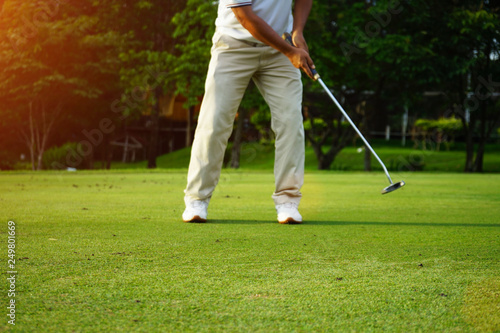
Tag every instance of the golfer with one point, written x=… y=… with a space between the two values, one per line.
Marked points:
x=247 y=45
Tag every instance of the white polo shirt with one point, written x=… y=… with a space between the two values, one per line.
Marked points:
x=277 y=13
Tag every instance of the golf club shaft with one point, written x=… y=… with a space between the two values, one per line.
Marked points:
x=353 y=125
x=316 y=76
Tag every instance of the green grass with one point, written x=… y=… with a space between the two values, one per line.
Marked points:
x=396 y=158
x=106 y=252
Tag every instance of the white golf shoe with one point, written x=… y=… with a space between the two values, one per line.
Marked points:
x=288 y=213
x=196 y=211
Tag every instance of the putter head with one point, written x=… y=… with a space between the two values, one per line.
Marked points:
x=393 y=187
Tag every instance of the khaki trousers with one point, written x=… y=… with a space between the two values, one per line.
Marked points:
x=232 y=65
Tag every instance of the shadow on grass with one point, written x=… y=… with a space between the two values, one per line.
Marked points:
x=210 y=221
x=405 y=224
x=341 y=223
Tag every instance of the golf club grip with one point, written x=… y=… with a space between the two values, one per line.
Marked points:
x=288 y=38
x=315 y=74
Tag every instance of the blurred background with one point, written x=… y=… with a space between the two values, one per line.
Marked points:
x=95 y=84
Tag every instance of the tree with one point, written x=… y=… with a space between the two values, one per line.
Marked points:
x=194 y=28
x=462 y=58
x=455 y=50
x=346 y=59
x=388 y=53
x=171 y=46
x=55 y=58
x=476 y=44
x=146 y=66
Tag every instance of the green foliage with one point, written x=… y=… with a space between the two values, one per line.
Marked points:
x=56 y=60
x=320 y=124
x=7 y=160
x=172 y=53
x=261 y=119
x=194 y=27
x=260 y=115
x=24 y=166
x=399 y=50
x=424 y=124
x=81 y=57
x=58 y=156
x=450 y=126
x=447 y=126
x=442 y=130
x=140 y=81
x=147 y=65
x=58 y=65
x=316 y=122
x=142 y=4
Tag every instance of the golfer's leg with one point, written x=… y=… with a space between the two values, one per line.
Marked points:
x=280 y=84
x=228 y=76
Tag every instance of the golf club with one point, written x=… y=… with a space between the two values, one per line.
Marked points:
x=393 y=186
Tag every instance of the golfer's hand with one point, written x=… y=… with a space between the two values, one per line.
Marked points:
x=300 y=59
x=299 y=41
